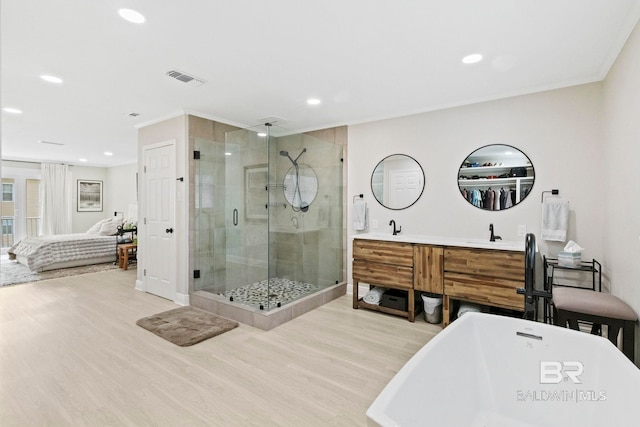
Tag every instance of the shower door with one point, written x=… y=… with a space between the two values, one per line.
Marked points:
x=231 y=212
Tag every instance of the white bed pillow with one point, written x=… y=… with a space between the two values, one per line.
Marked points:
x=110 y=228
x=95 y=229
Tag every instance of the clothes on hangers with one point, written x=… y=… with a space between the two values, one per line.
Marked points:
x=490 y=199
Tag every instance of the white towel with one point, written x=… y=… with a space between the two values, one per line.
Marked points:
x=374 y=296
x=555 y=219
x=359 y=215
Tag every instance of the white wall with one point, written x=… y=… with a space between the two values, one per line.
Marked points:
x=559 y=130
x=122 y=192
x=621 y=200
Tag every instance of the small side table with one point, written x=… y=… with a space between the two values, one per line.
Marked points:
x=123 y=254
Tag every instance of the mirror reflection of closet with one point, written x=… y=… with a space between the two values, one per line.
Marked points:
x=496 y=177
x=397 y=182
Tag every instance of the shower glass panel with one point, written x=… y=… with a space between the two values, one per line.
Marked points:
x=268 y=223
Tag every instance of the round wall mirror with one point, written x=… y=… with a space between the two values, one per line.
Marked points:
x=397 y=182
x=496 y=177
x=300 y=186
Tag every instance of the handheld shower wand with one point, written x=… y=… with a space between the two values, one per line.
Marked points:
x=296 y=192
x=295 y=162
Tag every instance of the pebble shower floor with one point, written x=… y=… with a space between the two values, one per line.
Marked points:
x=272 y=293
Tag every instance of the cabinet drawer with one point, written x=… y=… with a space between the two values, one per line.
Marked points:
x=484 y=290
x=492 y=263
x=382 y=274
x=394 y=253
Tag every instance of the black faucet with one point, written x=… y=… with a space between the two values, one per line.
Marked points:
x=493 y=237
x=395 y=232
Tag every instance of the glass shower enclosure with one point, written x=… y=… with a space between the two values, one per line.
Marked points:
x=268 y=217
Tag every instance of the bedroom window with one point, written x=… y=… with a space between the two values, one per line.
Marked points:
x=7 y=193
x=7 y=232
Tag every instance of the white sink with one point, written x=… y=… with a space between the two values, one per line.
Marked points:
x=503 y=245
x=386 y=236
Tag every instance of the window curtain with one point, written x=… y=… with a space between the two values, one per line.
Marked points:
x=56 y=192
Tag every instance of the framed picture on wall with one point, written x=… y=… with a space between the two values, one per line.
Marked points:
x=89 y=196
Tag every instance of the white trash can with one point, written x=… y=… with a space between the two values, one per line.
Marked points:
x=432 y=308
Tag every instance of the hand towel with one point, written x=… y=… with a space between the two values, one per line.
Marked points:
x=359 y=215
x=555 y=219
x=374 y=296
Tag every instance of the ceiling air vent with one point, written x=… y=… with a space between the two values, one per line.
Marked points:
x=186 y=78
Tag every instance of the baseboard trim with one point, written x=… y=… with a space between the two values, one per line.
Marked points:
x=181 y=299
x=140 y=285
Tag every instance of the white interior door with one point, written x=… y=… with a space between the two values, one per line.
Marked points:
x=405 y=187
x=159 y=251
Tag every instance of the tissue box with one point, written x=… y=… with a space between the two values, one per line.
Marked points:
x=569 y=259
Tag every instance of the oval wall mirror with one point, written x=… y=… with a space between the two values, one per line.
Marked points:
x=496 y=177
x=397 y=182
x=300 y=186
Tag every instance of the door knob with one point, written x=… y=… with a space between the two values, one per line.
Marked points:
x=169 y=230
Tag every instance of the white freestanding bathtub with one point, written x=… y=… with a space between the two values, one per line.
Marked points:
x=488 y=370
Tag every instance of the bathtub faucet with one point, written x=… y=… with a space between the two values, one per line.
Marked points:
x=493 y=237
x=395 y=231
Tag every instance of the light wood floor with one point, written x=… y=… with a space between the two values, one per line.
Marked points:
x=71 y=354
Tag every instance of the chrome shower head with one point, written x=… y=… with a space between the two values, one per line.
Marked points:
x=286 y=154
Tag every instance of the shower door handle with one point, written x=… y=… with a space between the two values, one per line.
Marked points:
x=235 y=217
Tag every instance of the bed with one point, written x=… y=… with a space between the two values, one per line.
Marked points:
x=42 y=253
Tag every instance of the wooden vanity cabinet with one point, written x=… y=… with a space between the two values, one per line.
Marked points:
x=483 y=276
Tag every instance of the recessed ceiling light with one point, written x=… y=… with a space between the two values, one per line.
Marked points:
x=313 y=101
x=108 y=153
x=227 y=154
x=12 y=110
x=82 y=160
x=51 y=79
x=472 y=59
x=262 y=134
x=131 y=16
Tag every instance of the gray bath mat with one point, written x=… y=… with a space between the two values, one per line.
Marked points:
x=186 y=326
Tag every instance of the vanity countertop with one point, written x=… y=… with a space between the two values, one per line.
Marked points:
x=500 y=245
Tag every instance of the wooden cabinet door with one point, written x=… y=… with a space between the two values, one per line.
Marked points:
x=428 y=268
